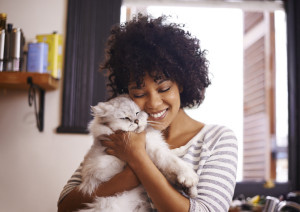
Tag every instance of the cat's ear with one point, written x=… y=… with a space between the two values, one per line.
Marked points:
x=102 y=109
x=94 y=110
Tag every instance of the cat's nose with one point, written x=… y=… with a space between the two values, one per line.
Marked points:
x=136 y=121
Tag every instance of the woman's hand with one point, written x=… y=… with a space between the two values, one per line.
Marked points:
x=125 y=145
x=130 y=147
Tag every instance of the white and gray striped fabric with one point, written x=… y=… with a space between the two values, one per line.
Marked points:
x=213 y=154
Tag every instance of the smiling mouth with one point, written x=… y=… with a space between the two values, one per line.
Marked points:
x=159 y=115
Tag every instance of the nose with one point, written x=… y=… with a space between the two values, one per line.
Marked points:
x=154 y=101
x=136 y=121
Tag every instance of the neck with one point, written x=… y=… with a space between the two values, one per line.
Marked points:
x=178 y=125
x=181 y=130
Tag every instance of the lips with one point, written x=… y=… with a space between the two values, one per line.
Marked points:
x=159 y=115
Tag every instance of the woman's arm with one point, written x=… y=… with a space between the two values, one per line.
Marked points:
x=217 y=168
x=161 y=192
x=125 y=180
x=163 y=195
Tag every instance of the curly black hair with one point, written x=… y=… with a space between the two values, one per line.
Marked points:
x=153 y=46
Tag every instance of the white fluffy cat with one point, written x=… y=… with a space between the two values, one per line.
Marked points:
x=121 y=113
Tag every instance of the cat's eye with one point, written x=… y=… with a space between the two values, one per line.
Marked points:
x=137 y=113
x=126 y=118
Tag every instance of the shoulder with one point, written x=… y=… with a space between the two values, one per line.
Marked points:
x=213 y=131
x=214 y=135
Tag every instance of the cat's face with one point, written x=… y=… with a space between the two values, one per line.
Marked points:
x=121 y=113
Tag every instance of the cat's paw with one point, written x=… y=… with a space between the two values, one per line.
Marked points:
x=189 y=180
x=192 y=191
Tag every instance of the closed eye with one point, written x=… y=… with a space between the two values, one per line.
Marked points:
x=164 y=90
x=138 y=96
x=126 y=118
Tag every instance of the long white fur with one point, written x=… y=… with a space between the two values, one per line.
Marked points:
x=99 y=167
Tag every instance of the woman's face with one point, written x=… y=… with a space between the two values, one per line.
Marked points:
x=160 y=99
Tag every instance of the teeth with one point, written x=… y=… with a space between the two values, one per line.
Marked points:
x=157 y=115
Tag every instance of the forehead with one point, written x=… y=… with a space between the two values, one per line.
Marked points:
x=139 y=77
x=147 y=81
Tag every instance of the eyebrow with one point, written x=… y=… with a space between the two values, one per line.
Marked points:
x=135 y=87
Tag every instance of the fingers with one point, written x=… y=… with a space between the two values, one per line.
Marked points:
x=108 y=143
x=113 y=140
x=110 y=151
x=110 y=146
x=117 y=144
x=118 y=135
x=102 y=137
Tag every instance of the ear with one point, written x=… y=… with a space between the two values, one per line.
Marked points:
x=96 y=111
x=102 y=109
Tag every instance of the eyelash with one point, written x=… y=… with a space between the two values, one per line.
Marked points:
x=160 y=91
x=165 y=90
x=138 y=96
x=126 y=118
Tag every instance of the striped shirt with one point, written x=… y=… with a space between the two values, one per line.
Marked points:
x=213 y=155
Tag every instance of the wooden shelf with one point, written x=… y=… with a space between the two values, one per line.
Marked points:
x=18 y=80
x=30 y=82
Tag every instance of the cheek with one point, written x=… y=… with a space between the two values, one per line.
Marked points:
x=139 y=103
x=174 y=97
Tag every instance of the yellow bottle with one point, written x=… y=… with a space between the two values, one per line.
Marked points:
x=54 y=42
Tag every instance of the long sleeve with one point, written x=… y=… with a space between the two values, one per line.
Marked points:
x=213 y=155
x=73 y=182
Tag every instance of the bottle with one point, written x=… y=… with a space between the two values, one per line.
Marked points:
x=2 y=39
x=2 y=43
x=16 y=49
x=7 y=48
x=23 y=53
x=3 y=17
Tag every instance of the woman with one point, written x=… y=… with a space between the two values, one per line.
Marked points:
x=163 y=70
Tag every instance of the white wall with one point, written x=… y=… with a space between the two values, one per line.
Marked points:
x=34 y=166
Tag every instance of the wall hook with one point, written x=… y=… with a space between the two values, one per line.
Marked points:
x=39 y=114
